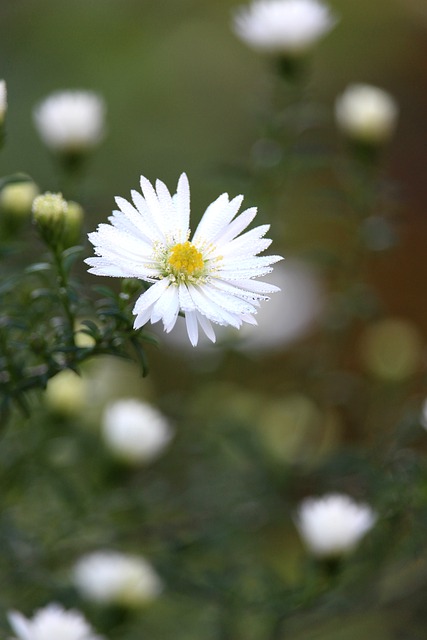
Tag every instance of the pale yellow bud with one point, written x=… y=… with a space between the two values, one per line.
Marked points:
x=16 y=199
x=66 y=393
x=366 y=114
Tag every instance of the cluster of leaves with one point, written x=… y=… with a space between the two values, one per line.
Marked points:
x=45 y=311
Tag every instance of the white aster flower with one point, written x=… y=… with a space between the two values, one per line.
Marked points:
x=110 y=577
x=52 y=622
x=135 y=431
x=283 y=26
x=366 y=113
x=71 y=121
x=209 y=279
x=332 y=526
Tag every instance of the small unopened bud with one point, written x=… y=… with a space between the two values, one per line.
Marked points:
x=49 y=211
x=66 y=393
x=73 y=223
x=366 y=114
x=16 y=199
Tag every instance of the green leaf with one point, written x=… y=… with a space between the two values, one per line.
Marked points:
x=70 y=255
x=37 y=267
x=14 y=178
x=92 y=328
x=105 y=291
x=140 y=356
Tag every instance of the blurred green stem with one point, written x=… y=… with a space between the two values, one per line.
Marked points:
x=63 y=291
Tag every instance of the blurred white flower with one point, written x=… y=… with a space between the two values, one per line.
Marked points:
x=367 y=114
x=332 y=526
x=71 y=121
x=3 y=100
x=289 y=316
x=135 y=431
x=110 y=577
x=289 y=27
x=423 y=414
x=52 y=622
x=210 y=278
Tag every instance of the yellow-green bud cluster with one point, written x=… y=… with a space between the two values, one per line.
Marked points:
x=58 y=221
x=49 y=212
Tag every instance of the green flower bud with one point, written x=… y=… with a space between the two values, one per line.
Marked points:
x=16 y=199
x=73 y=223
x=49 y=211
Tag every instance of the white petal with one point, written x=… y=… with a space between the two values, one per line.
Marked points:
x=192 y=327
x=256 y=286
x=20 y=625
x=182 y=205
x=185 y=300
x=237 y=226
x=206 y=326
x=243 y=293
x=100 y=268
x=161 y=217
x=213 y=219
x=212 y=310
x=253 y=268
x=228 y=301
x=167 y=308
x=148 y=298
x=251 y=243
x=249 y=320
x=167 y=207
x=133 y=222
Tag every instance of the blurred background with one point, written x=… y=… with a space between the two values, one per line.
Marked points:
x=326 y=397
x=184 y=94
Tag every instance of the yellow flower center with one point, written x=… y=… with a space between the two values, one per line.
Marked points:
x=185 y=261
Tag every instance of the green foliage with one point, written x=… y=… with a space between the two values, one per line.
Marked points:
x=41 y=311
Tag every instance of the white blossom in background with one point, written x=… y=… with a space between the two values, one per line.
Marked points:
x=135 y=431
x=71 y=121
x=423 y=415
x=210 y=279
x=113 y=578
x=3 y=100
x=333 y=525
x=290 y=316
x=366 y=113
x=52 y=622
x=283 y=27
